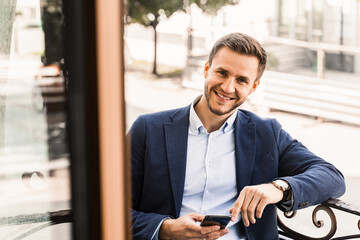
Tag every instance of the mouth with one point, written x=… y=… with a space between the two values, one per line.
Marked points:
x=223 y=97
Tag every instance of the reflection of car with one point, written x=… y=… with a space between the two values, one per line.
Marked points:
x=49 y=97
x=49 y=89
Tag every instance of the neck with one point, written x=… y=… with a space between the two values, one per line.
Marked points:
x=210 y=120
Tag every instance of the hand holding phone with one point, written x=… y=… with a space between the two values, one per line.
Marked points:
x=220 y=220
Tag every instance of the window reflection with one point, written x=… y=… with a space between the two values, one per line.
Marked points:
x=34 y=158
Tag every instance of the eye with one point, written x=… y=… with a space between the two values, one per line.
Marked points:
x=241 y=80
x=222 y=73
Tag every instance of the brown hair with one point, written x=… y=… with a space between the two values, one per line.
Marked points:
x=243 y=44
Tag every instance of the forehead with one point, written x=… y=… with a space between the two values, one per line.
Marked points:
x=236 y=63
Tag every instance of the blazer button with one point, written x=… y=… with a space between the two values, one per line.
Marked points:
x=304 y=204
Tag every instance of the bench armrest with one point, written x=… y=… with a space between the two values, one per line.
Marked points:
x=287 y=233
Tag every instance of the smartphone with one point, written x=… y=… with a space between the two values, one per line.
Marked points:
x=220 y=220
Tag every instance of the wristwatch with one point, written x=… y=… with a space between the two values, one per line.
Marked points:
x=283 y=186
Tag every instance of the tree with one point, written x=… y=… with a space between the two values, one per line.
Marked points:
x=212 y=6
x=149 y=12
x=209 y=7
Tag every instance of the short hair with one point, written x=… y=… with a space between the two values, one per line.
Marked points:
x=243 y=44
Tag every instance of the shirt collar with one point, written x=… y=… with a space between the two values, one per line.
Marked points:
x=195 y=122
x=196 y=126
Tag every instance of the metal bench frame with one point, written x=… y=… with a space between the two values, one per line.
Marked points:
x=288 y=233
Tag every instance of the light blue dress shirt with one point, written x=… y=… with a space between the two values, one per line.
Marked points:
x=210 y=180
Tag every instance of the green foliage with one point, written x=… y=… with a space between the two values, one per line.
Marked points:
x=212 y=6
x=148 y=12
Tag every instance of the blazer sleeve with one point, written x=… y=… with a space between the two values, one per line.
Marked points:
x=144 y=225
x=312 y=179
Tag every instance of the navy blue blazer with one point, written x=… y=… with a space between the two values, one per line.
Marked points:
x=263 y=150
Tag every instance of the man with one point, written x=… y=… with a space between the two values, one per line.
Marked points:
x=211 y=158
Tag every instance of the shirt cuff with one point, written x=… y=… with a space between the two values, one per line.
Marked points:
x=287 y=205
x=155 y=236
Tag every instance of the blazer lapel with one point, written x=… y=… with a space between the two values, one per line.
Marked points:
x=244 y=150
x=176 y=137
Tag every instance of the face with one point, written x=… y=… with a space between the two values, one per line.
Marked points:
x=229 y=80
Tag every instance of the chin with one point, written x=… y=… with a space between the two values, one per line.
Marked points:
x=221 y=111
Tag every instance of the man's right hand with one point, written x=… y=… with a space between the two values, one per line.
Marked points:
x=186 y=228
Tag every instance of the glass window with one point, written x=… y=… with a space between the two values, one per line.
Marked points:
x=34 y=159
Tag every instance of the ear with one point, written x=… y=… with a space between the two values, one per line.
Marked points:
x=206 y=69
x=254 y=86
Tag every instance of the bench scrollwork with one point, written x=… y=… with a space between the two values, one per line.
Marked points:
x=327 y=208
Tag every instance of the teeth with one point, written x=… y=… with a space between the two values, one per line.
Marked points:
x=226 y=98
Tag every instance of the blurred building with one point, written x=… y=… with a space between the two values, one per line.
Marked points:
x=334 y=22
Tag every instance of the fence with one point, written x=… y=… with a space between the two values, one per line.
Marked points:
x=316 y=79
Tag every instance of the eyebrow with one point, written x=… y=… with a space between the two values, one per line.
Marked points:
x=237 y=77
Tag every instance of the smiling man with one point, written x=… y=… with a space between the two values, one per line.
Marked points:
x=213 y=158
x=230 y=78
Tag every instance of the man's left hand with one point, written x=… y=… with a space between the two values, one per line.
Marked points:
x=253 y=200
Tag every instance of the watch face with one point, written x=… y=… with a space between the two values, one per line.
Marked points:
x=282 y=184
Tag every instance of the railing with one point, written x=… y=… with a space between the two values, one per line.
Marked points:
x=287 y=233
x=289 y=84
x=319 y=47
x=322 y=98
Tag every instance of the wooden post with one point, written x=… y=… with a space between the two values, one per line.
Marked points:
x=114 y=172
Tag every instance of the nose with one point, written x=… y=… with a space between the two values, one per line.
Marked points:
x=228 y=85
